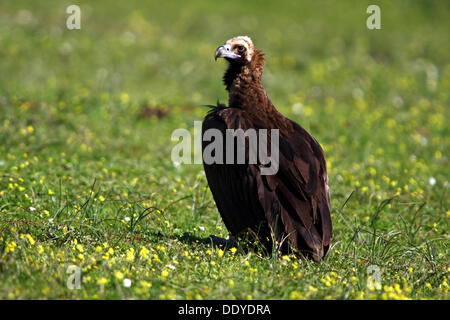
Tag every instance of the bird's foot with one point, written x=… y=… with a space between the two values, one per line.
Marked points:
x=228 y=242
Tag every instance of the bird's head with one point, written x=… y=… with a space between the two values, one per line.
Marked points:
x=238 y=50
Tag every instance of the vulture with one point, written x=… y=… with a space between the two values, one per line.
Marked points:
x=288 y=210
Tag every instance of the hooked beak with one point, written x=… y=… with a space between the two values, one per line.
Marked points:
x=225 y=52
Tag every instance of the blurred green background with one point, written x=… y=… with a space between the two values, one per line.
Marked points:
x=163 y=50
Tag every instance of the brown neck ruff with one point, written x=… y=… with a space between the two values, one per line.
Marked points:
x=245 y=91
x=243 y=82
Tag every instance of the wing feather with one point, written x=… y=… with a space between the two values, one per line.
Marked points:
x=294 y=202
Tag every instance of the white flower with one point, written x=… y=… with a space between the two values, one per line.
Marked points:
x=357 y=94
x=397 y=101
x=423 y=141
x=126 y=283
x=432 y=181
x=32 y=209
x=297 y=108
x=50 y=220
x=176 y=164
x=171 y=267
x=126 y=219
x=201 y=228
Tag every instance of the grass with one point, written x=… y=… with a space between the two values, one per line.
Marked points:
x=86 y=177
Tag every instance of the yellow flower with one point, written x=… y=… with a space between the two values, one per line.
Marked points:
x=130 y=255
x=164 y=273
x=10 y=246
x=145 y=284
x=144 y=252
x=312 y=289
x=307 y=110
x=198 y=296
x=124 y=98
x=295 y=295
x=80 y=247
x=30 y=239
x=119 y=275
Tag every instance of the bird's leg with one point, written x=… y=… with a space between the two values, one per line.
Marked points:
x=226 y=242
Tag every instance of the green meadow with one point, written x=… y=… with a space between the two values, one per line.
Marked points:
x=88 y=190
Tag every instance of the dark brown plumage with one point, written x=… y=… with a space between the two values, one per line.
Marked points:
x=292 y=205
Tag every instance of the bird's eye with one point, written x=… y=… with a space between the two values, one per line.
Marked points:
x=240 y=48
